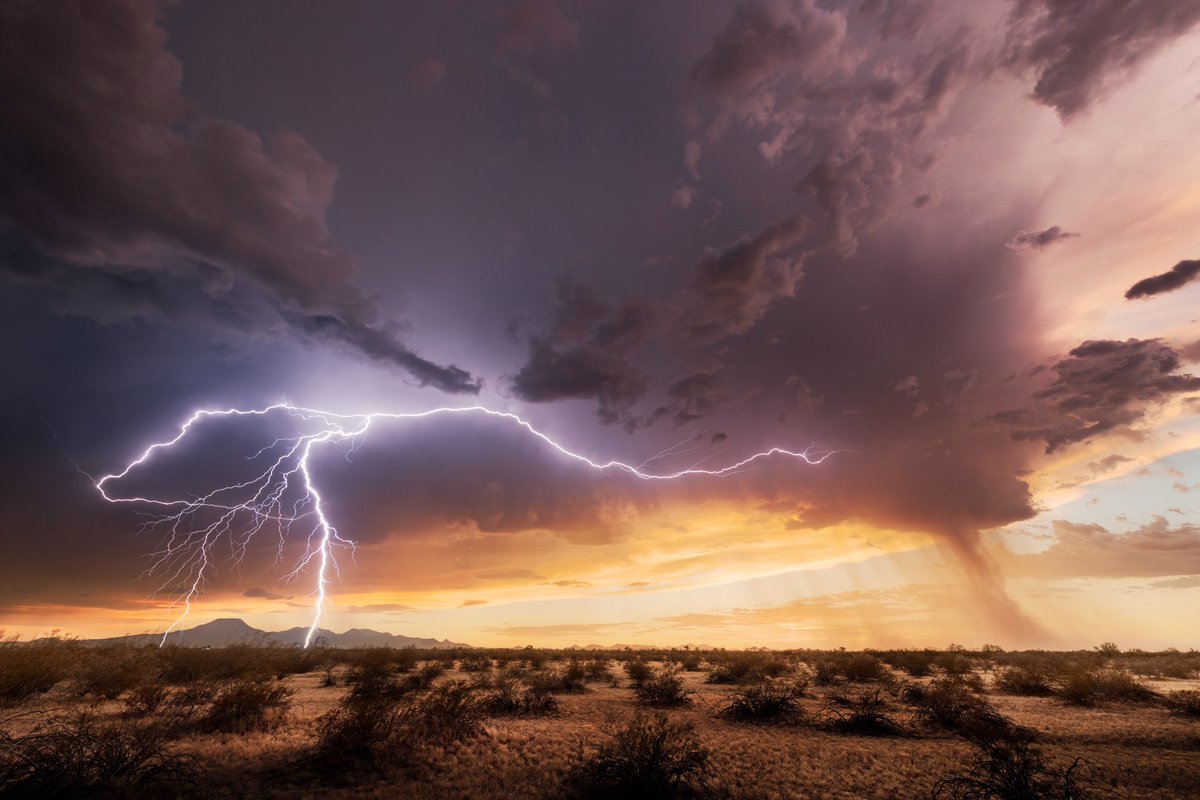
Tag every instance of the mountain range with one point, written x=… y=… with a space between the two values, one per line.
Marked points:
x=221 y=632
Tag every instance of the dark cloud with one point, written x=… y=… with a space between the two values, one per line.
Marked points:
x=112 y=182
x=696 y=396
x=899 y=18
x=584 y=354
x=766 y=38
x=733 y=288
x=1040 y=240
x=1178 y=276
x=1101 y=386
x=1078 y=50
x=851 y=115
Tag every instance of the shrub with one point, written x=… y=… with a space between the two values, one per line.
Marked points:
x=146 y=699
x=1011 y=768
x=110 y=672
x=864 y=668
x=826 y=673
x=360 y=734
x=509 y=696
x=663 y=689
x=948 y=703
x=1024 y=679
x=954 y=663
x=598 y=669
x=747 y=668
x=1185 y=702
x=248 y=705
x=638 y=671
x=33 y=668
x=771 y=701
x=180 y=665
x=690 y=663
x=917 y=663
x=647 y=757
x=862 y=715
x=447 y=713
x=430 y=671
x=79 y=757
x=476 y=664
x=1085 y=687
x=186 y=703
x=375 y=676
x=558 y=681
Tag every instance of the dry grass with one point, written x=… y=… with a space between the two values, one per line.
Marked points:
x=412 y=724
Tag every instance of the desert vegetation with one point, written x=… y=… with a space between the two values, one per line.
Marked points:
x=79 y=720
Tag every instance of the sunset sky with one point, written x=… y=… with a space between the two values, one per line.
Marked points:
x=954 y=242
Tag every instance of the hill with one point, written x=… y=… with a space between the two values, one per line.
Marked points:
x=222 y=632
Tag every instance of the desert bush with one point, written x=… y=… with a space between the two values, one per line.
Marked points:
x=1024 y=679
x=430 y=671
x=826 y=673
x=447 y=713
x=954 y=663
x=746 y=668
x=1011 y=768
x=948 y=703
x=80 y=757
x=862 y=714
x=917 y=663
x=110 y=672
x=1167 y=665
x=864 y=668
x=182 y=665
x=768 y=702
x=363 y=734
x=146 y=699
x=557 y=681
x=638 y=671
x=375 y=675
x=476 y=664
x=852 y=667
x=647 y=757
x=186 y=703
x=690 y=662
x=33 y=668
x=597 y=669
x=1086 y=687
x=664 y=689
x=248 y=705
x=1185 y=702
x=509 y=696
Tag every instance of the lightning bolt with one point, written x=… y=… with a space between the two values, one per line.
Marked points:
x=239 y=511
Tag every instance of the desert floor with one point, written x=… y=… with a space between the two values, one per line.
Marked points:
x=1132 y=749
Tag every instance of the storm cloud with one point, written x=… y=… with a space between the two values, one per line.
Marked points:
x=113 y=183
x=1177 y=277
x=1100 y=386
x=583 y=355
x=1079 y=50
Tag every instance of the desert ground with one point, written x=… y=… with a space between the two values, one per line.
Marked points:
x=275 y=722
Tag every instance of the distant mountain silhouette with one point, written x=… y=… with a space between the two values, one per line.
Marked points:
x=221 y=632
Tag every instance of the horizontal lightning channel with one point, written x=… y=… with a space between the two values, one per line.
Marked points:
x=186 y=553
